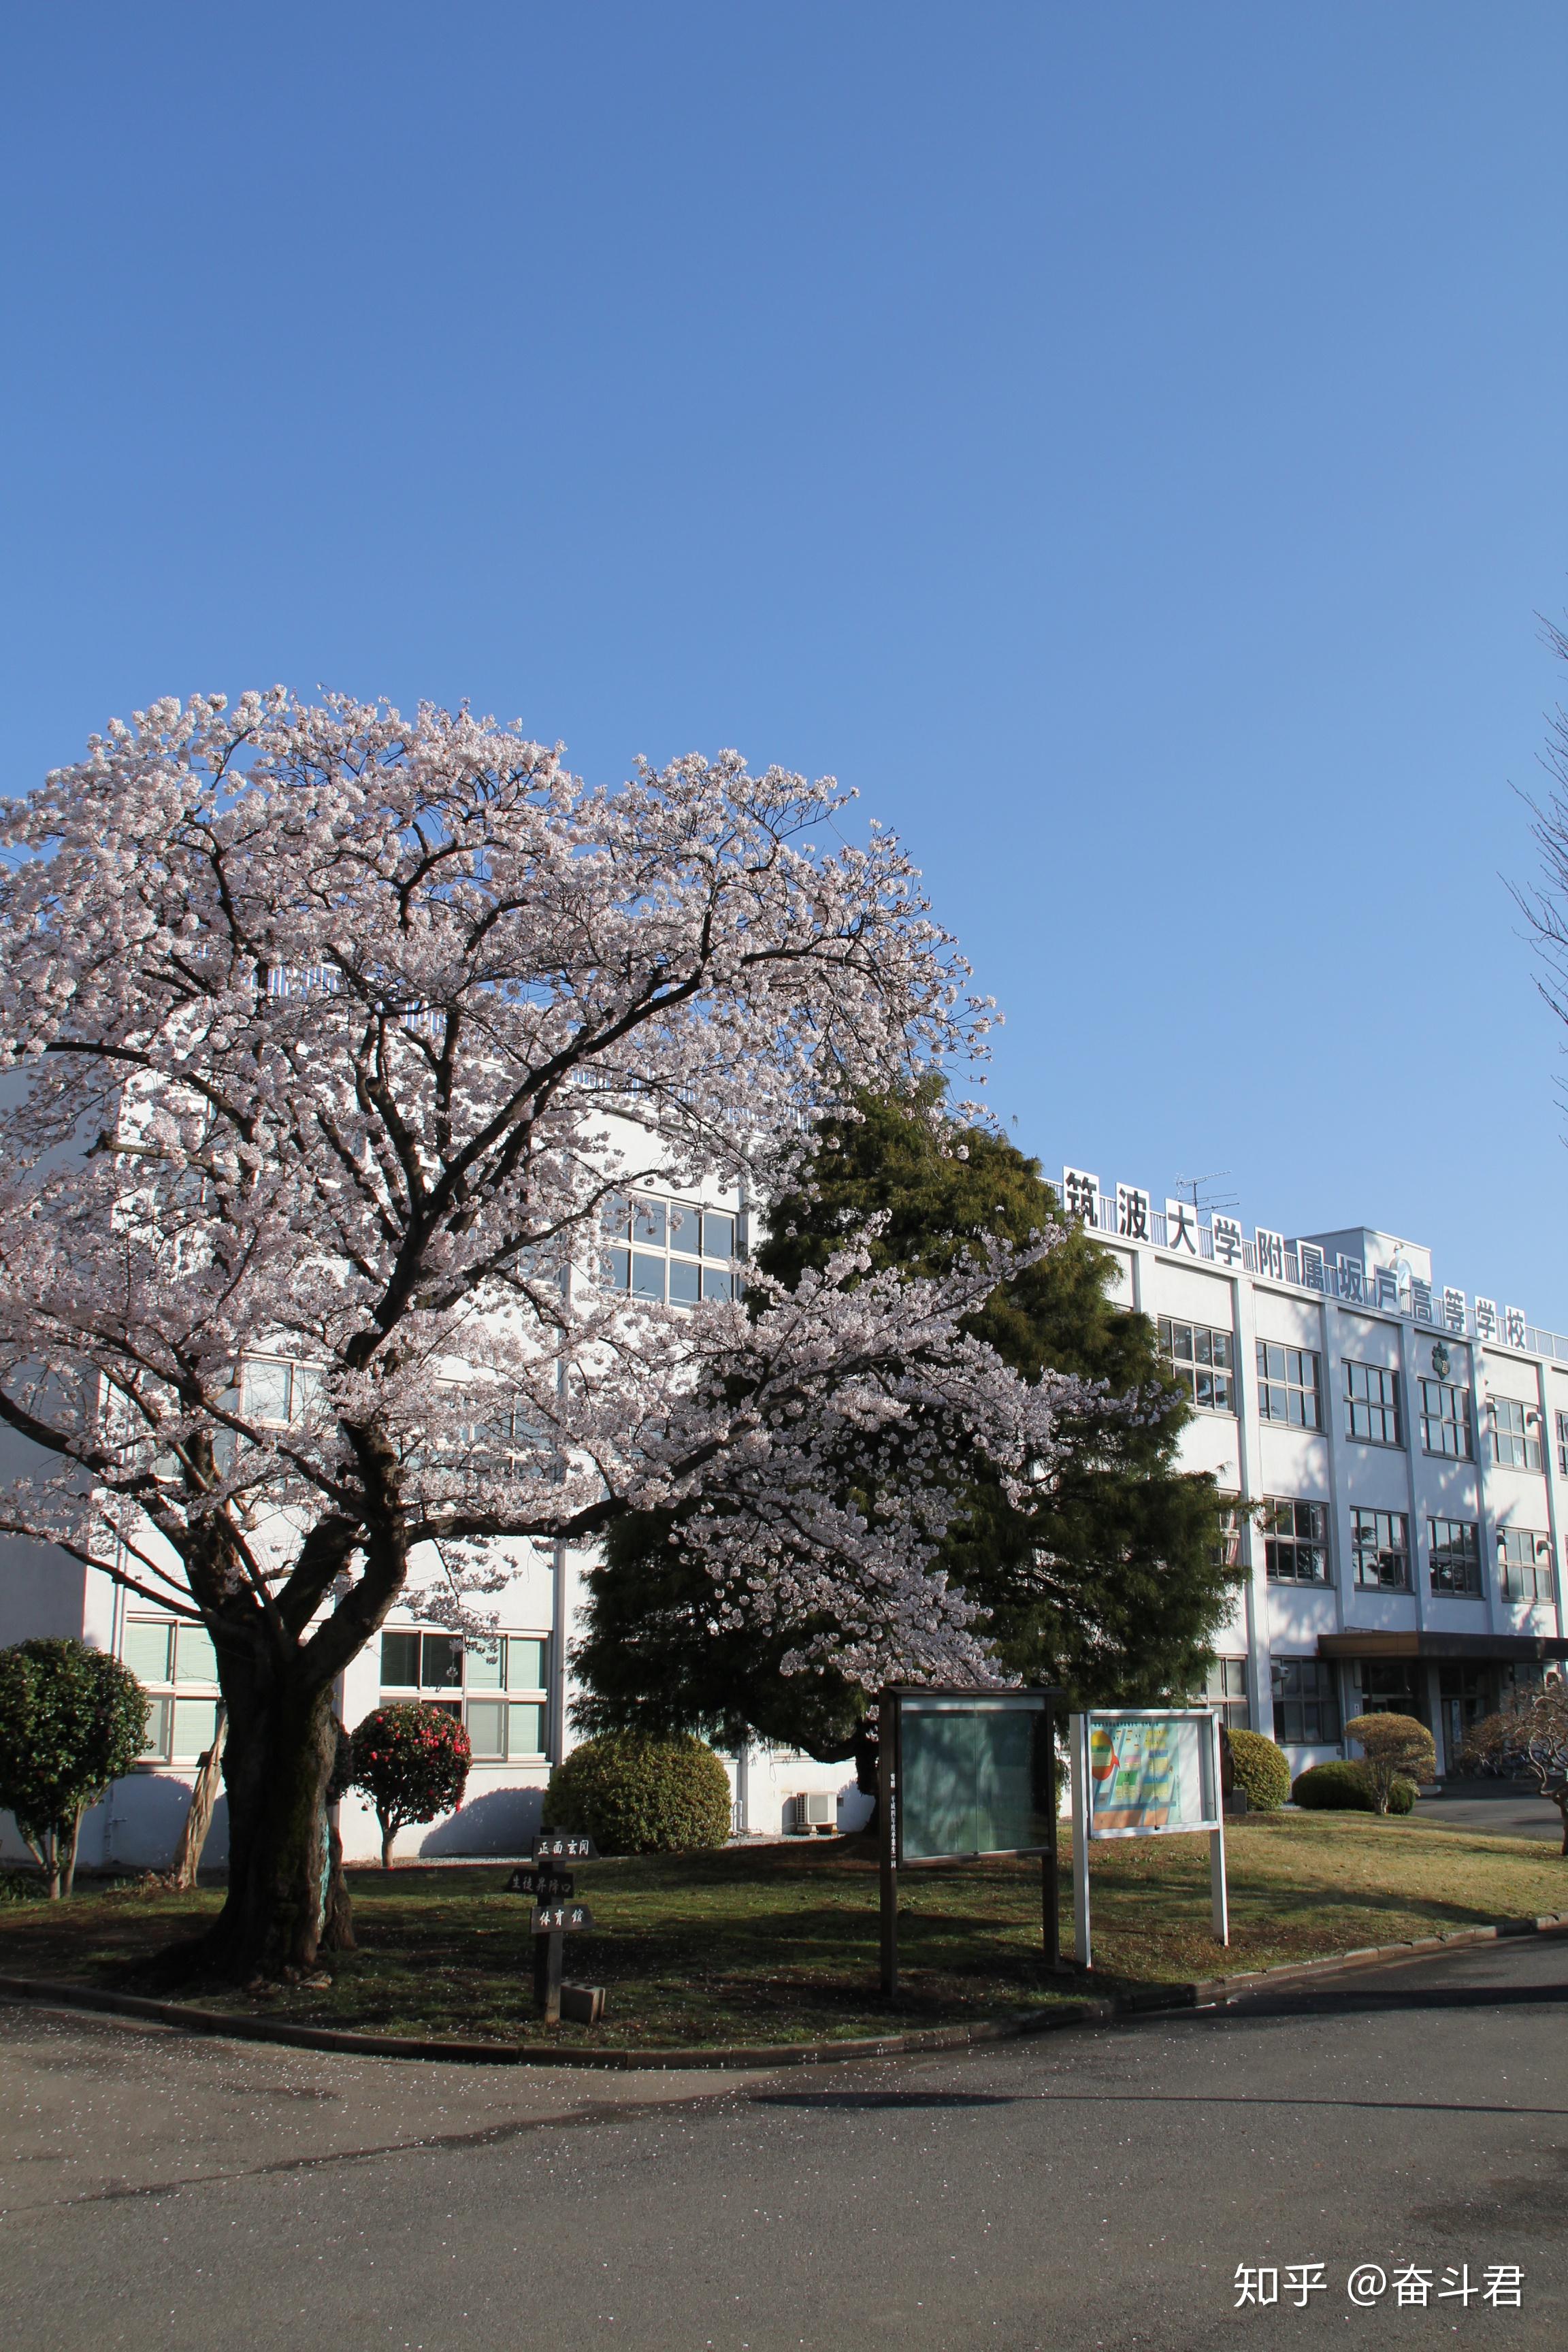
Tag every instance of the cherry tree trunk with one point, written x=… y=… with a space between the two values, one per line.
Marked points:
x=287 y=1901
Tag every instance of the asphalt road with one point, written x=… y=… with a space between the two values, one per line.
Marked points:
x=1512 y=1814
x=1091 y=2188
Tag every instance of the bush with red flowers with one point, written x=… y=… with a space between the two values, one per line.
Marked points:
x=412 y=1761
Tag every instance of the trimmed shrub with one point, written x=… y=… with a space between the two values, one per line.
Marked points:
x=1261 y=1769
x=1393 y=1747
x=71 y=1720
x=1347 y=1788
x=637 y=1795
x=412 y=1761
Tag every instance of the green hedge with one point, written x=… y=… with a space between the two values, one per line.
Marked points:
x=633 y=1795
x=1346 y=1787
x=1261 y=1769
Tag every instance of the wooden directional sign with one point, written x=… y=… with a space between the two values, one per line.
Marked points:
x=563 y=1845
x=560 y=1919
x=545 y=1885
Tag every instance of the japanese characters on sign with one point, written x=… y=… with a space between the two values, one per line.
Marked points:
x=1080 y=1195
x=1132 y=1213
x=559 y=1918
x=563 y=1845
x=1182 y=1227
x=1396 y=1289
x=545 y=1885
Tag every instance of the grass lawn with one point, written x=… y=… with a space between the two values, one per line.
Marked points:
x=779 y=1943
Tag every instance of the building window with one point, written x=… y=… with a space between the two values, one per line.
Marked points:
x=1306 y=1710
x=1372 y=1404
x=1446 y=1419
x=1563 y=1443
x=1296 y=1541
x=1512 y=1442
x=1389 y=1687
x=667 y=1251
x=1456 y=1551
x=1524 y=1564
x=498 y=1688
x=1380 y=1545
x=1227 y=1550
x=1225 y=1691
x=176 y=1665
x=1289 y=1386
x=1203 y=1361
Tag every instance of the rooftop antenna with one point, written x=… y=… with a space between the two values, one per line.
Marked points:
x=1192 y=1186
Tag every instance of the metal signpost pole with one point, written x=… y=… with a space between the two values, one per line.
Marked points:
x=888 y=1806
x=1219 y=1891
x=1079 y=1735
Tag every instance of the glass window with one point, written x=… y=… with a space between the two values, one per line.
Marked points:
x=615 y=1218
x=1516 y=1439
x=1389 y=1687
x=1563 y=1443
x=156 y=1749
x=524 y=1663
x=525 y=1729
x=486 y=1729
x=718 y=1234
x=1380 y=1547
x=649 y=1223
x=484 y=1666
x=195 y=1660
x=440 y=1661
x=400 y=1661
x=1455 y=1552
x=1306 y=1709
x=718 y=1282
x=146 y=1647
x=647 y=1274
x=195 y=1720
x=267 y=1392
x=1446 y=1419
x=1524 y=1564
x=684 y=1282
x=1227 y=1551
x=1226 y=1691
x=1296 y=1541
x=685 y=1230
x=1372 y=1404
x=615 y=1269
x=1289 y=1385
x=1203 y=1361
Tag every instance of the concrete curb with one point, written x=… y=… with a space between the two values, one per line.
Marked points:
x=1103 y=2010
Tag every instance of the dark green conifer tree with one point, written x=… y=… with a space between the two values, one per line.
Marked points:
x=1111 y=1585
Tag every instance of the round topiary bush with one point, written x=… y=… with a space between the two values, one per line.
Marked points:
x=1345 y=1788
x=636 y=1795
x=412 y=1761
x=1261 y=1769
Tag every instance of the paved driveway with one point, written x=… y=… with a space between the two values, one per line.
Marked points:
x=1510 y=1813
x=1093 y=2188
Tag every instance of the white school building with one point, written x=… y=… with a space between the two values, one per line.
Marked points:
x=1397 y=1454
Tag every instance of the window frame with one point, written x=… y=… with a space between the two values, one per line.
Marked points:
x=1517 y=1435
x=652 y=1247
x=1190 y=1372
x=1365 y=1545
x=1322 y=1701
x=1534 y=1571
x=1441 y=1420
x=175 y=1688
x=510 y=1699
x=1298 y=1539
x=1441 y=1550
x=1288 y=1384
x=1382 y=1409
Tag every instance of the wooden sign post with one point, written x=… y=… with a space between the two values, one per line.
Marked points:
x=556 y=1914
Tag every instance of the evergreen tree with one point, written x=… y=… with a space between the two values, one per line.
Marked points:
x=1111 y=1583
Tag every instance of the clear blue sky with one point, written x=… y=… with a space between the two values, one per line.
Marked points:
x=1125 y=442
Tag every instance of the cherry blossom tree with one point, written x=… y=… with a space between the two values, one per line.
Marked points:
x=338 y=1028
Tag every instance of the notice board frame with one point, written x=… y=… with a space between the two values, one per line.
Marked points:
x=1040 y=1701
x=1084 y=1834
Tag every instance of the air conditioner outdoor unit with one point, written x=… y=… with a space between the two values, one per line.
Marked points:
x=816 y=1808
